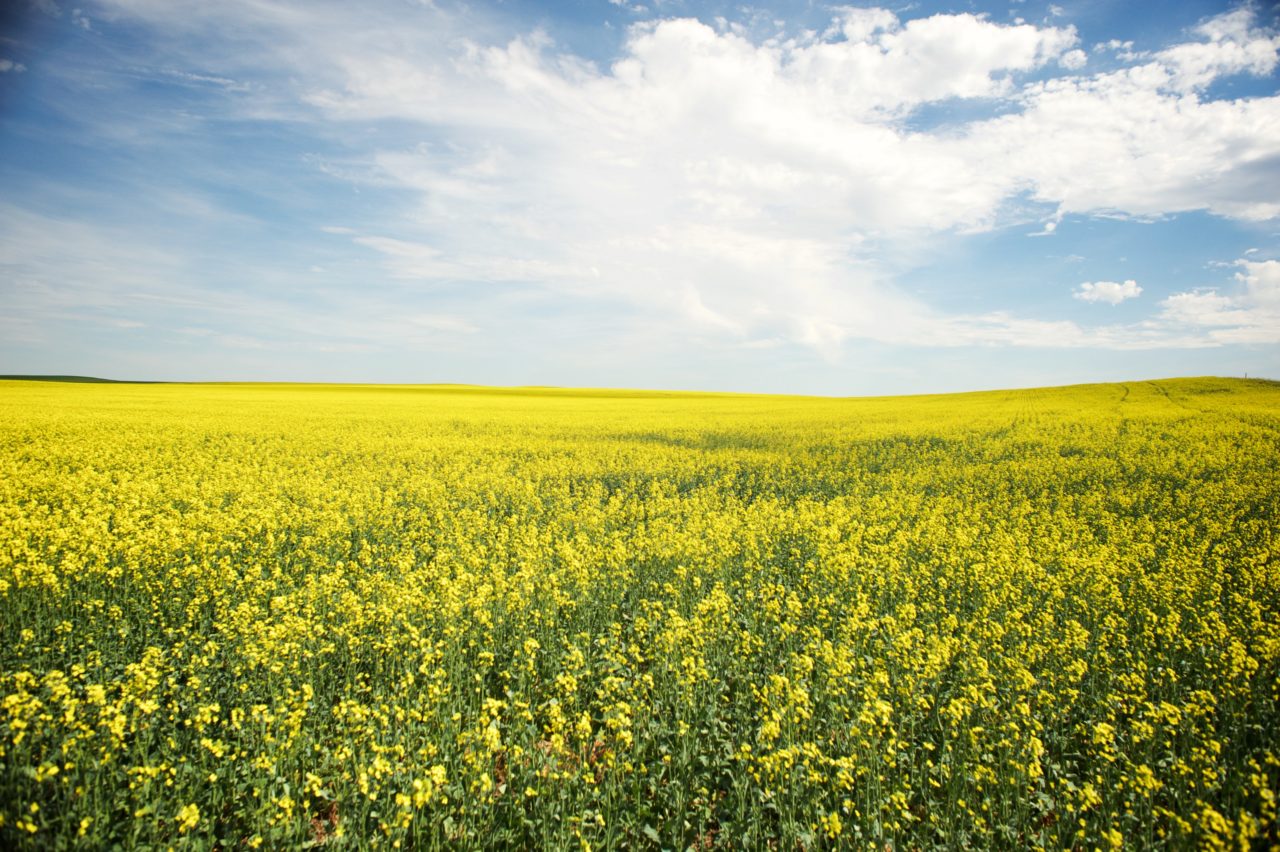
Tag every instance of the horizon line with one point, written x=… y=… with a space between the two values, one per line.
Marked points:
x=568 y=389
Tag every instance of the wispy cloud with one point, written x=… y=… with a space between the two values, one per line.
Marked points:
x=731 y=188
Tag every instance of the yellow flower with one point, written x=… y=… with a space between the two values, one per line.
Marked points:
x=188 y=818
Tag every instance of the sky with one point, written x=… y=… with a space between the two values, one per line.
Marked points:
x=785 y=198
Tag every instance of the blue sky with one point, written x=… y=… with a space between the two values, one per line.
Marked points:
x=799 y=197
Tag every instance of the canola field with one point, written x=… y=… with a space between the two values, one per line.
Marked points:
x=256 y=616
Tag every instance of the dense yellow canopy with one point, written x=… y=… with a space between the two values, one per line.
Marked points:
x=261 y=615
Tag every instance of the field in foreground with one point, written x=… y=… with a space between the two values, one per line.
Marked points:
x=243 y=616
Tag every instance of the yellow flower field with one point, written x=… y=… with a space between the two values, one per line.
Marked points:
x=244 y=616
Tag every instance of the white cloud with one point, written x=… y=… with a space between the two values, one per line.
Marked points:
x=1116 y=144
x=204 y=79
x=1203 y=308
x=883 y=64
x=1261 y=280
x=1074 y=60
x=729 y=181
x=7 y=65
x=756 y=189
x=1142 y=142
x=61 y=276
x=1250 y=314
x=1111 y=292
x=1231 y=46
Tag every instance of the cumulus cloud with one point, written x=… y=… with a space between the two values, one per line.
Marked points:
x=754 y=188
x=1261 y=280
x=1074 y=60
x=1230 y=45
x=1248 y=314
x=7 y=65
x=1111 y=292
x=1142 y=142
x=882 y=63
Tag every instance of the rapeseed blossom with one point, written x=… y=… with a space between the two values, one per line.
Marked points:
x=267 y=616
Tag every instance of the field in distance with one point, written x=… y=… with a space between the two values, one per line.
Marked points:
x=243 y=616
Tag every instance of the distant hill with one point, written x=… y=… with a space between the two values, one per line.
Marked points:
x=80 y=379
